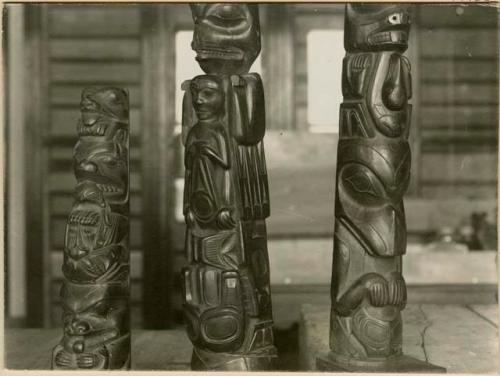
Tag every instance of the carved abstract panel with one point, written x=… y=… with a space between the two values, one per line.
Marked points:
x=227 y=301
x=95 y=292
x=368 y=290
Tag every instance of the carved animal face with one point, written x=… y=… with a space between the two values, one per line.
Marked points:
x=208 y=97
x=105 y=164
x=226 y=37
x=371 y=183
x=372 y=27
x=95 y=314
x=109 y=102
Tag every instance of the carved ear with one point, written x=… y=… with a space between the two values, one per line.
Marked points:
x=196 y=9
x=237 y=111
x=256 y=106
x=188 y=115
x=248 y=110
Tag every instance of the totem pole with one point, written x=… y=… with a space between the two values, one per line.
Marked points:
x=227 y=303
x=368 y=290
x=95 y=291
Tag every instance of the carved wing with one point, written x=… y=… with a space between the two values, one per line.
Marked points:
x=247 y=119
x=188 y=115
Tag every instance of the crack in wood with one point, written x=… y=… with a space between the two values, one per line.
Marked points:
x=470 y=308
x=422 y=333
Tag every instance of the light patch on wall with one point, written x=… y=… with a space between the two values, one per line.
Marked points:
x=324 y=78
x=179 y=200
x=186 y=67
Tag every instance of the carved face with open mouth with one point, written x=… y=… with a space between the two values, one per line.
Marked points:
x=93 y=248
x=376 y=27
x=105 y=164
x=226 y=37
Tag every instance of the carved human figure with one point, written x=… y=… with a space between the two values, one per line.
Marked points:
x=207 y=198
x=368 y=290
x=227 y=301
x=96 y=268
x=95 y=242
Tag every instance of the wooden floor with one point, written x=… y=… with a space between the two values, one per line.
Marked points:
x=461 y=338
x=151 y=349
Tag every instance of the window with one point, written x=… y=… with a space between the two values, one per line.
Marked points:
x=324 y=77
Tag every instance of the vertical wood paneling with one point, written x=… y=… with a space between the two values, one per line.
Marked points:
x=15 y=184
x=37 y=215
x=158 y=79
x=76 y=46
x=278 y=40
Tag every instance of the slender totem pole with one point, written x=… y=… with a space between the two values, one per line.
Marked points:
x=368 y=291
x=227 y=302
x=95 y=292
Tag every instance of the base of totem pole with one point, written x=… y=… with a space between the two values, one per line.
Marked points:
x=211 y=361
x=399 y=364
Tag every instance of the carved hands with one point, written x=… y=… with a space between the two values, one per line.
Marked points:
x=225 y=220
x=376 y=289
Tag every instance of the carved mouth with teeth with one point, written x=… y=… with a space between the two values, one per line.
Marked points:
x=389 y=36
x=209 y=52
x=108 y=188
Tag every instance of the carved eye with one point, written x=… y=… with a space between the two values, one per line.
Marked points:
x=228 y=12
x=395 y=19
x=227 y=15
x=361 y=183
x=362 y=186
x=109 y=161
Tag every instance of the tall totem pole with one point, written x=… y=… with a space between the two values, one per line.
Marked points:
x=227 y=302
x=368 y=290
x=95 y=292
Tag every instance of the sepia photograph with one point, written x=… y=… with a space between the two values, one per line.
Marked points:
x=279 y=187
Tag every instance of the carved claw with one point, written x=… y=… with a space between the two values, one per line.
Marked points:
x=225 y=220
x=397 y=291
x=86 y=361
x=378 y=293
x=63 y=359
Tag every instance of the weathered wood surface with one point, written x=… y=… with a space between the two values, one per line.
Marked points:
x=463 y=339
x=151 y=350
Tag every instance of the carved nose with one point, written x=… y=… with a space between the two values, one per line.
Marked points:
x=88 y=166
x=79 y=347
x=77 y=253
x=80 y=327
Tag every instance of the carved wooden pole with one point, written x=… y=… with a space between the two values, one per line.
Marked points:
x=227 y=302
x=95 y=292
x=368 y=290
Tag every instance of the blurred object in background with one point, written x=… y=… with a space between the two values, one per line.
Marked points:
x=446 y=239
x=484 y=231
